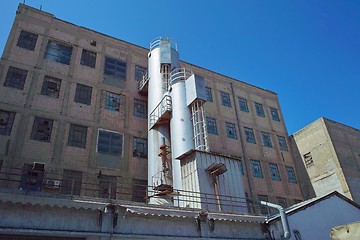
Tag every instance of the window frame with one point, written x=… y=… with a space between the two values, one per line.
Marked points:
x=274 y=172
x=211 y=121
x=110 y=147
x=209 y=96
x=274 y=114
x=88 y=58
x=112 y=101
x=256 y=168
x=290 y=171
x=266 y=139
x=74 y=130
x=42 y=129
x=139 y=72
x=225 y=99
x=15 y=78
x=230 y=127
x=282 y=143
x=83 y=94
x=259 y=108
x=47 y=91
x=27 y=40
x=143 y=113
x=115 y=68
x=6 y=126
x=243 y=104
x=248 y=132
x=60 y=52
x=143 y=153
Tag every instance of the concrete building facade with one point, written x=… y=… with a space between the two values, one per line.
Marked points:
x=69 y=99
x=327 y=153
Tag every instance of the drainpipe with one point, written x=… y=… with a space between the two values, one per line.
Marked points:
x=283 y=217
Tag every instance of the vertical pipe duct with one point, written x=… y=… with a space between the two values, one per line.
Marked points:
x=162 y=56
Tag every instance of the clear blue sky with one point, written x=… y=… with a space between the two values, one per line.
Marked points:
x=308 y=51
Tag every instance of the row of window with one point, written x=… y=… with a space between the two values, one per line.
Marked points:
x=61 y=53
x=225 y=101
x=51 y=86
x=109 y=142
x=274 y=171
x=249 y=134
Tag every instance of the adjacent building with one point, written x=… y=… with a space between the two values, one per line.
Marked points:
x=71 y=112
x=327 y=155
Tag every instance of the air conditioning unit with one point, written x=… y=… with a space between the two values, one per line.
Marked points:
x=53 y=184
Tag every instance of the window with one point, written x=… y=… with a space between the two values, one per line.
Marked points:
x=281 y=201
x=88 y=58
x=266 y=138
x=41 y=129
x=291 y=174
x=115 y=68
x=71 y=182
x=139 y=73
x=263 y=209
x=58 y=52
x=241 y=168
x=231 y=130
x=83 y=94
x=6 y=122
x=209 y=97
x=110 y=143
x=140 y=147
x=259 y=110
x=15 y=78
x=211 y=125
x=274 y=114
x=112 y=101
x=282 y=143
x=243 y=105
x=107 y=186
x=274 y=172
x=27 y=40
x=32 y=177
x=139 y=190
x=249 y=135
x=308 y=160
x=256 y=169
x=51 y=87
x=225 y=99
x=77 y=136
x=140 y=108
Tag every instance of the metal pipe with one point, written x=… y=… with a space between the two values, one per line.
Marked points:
x=216 y=191
x=283 y=217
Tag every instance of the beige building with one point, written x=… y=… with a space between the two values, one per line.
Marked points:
x=328 y=153
x=69 y=99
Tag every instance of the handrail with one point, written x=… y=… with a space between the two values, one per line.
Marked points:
x=143 y=81
x=179 y=74
x=164 y=105
x=157 y=42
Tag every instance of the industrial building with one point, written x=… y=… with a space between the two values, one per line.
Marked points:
x=86 y=114
x=327 y=156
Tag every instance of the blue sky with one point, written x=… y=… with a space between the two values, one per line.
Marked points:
x=308 y=51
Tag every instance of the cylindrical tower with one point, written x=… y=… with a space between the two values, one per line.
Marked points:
x=163 y=57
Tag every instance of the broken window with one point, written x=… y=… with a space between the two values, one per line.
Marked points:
x=27 y=40
x=51 y=87
x=282 y=143
x=231 y=130
x=256 y=169
x=266 y=138
x=58 y=52
x=225 y=99
x=88 y=58
x=249 y=135
x=6 y=122
x=274 y=172
x=209 y=96
x=140 y=147
x=15 y=78
x=71 y=182
x=259 y=110
x=243 y=105
x=291 y=174
x=274 y=114
x=77 y=136
x=107 y=186
x=112 y=101
x=41 y=130
x=139 y=190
